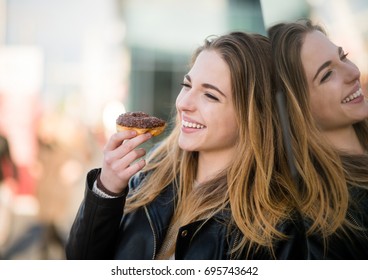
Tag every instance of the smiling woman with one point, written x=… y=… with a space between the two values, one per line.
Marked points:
x=206 y=101
x=336 y=98
x=329 y=132
x=205 y=192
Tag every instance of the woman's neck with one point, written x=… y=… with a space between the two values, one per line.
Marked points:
x=211 y=164
x=345 y=140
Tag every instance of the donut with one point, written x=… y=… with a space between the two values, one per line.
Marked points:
x=140 y=122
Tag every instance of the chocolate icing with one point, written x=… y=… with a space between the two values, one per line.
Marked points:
x=139 y=119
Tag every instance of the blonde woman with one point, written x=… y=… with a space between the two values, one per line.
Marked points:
x=206 y=192
x=329 y=132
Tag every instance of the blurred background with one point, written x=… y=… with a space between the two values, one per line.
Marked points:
x=69 y=68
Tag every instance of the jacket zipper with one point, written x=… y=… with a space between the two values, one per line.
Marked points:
x=353 y=219
x=153 y=232
x=234 y=245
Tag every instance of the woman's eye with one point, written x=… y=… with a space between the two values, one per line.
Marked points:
x=326 y=76
x=185 y=85
x=210 y=96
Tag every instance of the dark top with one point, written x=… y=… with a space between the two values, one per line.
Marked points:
x=101 y=230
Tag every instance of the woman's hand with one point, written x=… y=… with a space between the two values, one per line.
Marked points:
x=119 y=154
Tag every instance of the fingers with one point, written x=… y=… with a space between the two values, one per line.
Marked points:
x=121 y=144
x=132 y=169
x=125 y=161
x=122 y=159
x=118 y=138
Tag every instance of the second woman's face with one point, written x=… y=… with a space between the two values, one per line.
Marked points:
x=205 y=107
x=336 y=96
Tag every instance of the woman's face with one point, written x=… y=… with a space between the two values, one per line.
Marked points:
x=336 y=96
x=205 y=107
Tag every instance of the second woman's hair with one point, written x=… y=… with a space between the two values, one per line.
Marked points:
x=324 y=172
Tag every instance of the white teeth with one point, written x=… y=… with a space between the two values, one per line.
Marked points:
x=192 y=125
x=353 y=96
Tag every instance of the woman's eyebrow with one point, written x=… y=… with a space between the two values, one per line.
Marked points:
x=206 y=85
x=326 y=64
x=323 y=66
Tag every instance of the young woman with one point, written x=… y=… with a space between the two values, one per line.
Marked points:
x=206 y=192
x=329 y=137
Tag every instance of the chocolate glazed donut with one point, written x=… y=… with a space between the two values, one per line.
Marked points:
x=141 y=123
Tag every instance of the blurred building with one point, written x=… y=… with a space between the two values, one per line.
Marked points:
x=97 y=52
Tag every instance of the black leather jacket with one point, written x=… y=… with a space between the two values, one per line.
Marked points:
x=102 y=231
x=349 y=245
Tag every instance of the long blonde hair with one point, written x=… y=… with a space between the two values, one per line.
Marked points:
x=247 y=187
x=324 y=172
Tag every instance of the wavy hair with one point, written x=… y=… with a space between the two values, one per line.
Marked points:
x=324 y=173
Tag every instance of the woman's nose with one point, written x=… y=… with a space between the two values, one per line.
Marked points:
x=186 y=100
x=351 y=72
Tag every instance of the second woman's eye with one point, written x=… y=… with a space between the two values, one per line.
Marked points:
x=326 y=76
x=211 y=96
